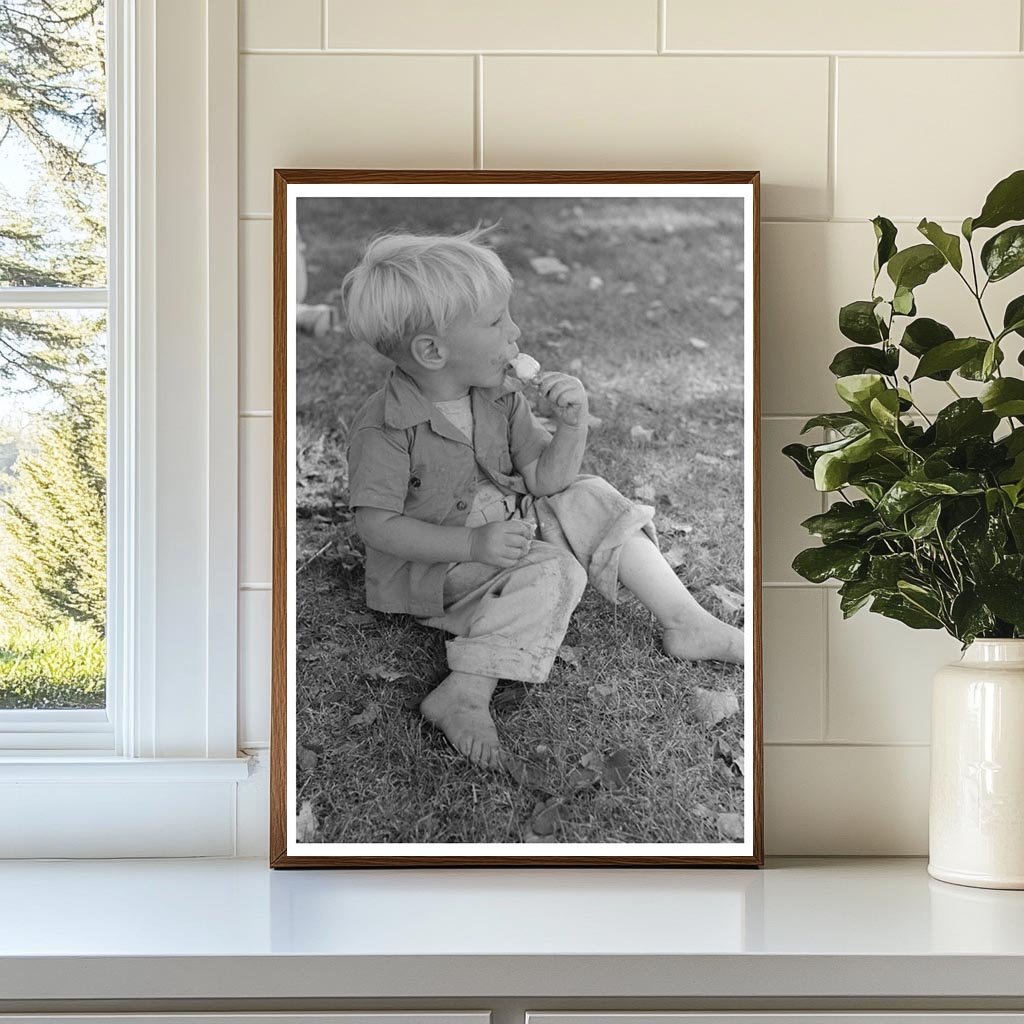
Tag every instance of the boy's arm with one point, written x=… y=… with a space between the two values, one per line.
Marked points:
x=559 y=463
x=500 y=544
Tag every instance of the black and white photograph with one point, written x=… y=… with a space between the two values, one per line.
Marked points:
x=516 y=569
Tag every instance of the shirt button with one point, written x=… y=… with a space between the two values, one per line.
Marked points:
x=461 y=506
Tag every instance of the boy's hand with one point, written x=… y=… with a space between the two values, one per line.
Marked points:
x=500 y=544
x=567 y=396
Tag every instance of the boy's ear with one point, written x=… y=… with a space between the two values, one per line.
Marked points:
x=428 y=351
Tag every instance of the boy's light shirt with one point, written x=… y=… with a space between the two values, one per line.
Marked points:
x=489 y=503
x=406 y=456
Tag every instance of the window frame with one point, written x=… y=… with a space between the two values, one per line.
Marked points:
x=173 y=433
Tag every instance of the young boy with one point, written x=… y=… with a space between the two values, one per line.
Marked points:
x=474 y=517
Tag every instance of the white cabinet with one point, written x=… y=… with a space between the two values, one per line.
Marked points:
x=785 y=1017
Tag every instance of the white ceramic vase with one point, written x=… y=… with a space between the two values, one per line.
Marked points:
x=976 y=813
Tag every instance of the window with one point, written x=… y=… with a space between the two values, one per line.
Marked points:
x=155 y=771
x=53 y=371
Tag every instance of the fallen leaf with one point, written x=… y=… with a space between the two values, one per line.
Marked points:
x=731 y=826
x=580 y=778
x=548 y=817
x=729 y=599
x=732 y=763
x=593 y=760
x=601 y=693
x=668 y=523
x=730 y=453
x=365 y=717
x=359 y=619
x=723 y=304
x=711 y=706
x=542 y=754
x=676 y=555
x=640 y=435
x=532 y=837
x=739 y=765
x=708 y=460
x=306 y=824
x=617 y=769
x=644 y=489
x=594 y=421
x=386 y=673
x=568 y=655
x=530 y=776
x=700 y=811
x=699 y=344
x=548 y=265
x=412 y=702
x=306 y=759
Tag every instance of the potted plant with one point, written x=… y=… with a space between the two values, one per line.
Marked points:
x=927 y=525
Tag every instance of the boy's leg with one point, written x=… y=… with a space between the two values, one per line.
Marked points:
x=614 y=539
x=509 y=624
x=688 y=630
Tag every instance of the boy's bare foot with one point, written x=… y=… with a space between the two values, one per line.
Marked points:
x=460 y=707
x=699 y=636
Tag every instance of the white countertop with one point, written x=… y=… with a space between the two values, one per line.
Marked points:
x=234 y=928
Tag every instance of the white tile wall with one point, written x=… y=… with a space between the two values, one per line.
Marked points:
x=837 y=137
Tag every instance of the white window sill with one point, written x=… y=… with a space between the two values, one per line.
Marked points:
x=78 y=766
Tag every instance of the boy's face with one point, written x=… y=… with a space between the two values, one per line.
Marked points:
x=481 y=345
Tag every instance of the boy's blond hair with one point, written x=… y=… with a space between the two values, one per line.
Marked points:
x=410 y=284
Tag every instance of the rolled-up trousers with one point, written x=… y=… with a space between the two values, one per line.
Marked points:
x=509 y=623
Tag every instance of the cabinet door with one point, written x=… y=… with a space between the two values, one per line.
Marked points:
x=785 y=1017
x=357 y=1017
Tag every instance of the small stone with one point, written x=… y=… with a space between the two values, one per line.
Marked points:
x=699 y=344
x=594 y=283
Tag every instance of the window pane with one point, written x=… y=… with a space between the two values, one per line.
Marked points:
x=52 y=509
x=53 y=150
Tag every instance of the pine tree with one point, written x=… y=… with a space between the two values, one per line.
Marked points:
x=53 y=519
x=52 y=113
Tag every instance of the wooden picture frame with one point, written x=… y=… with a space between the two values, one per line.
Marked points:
x=353 y=768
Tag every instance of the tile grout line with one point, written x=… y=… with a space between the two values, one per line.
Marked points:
x=478 y=111
x=833 y=134
x=258 y=51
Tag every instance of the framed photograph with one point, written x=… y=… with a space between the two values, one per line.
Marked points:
x=516 y=554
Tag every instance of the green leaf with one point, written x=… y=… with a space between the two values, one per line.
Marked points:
x=990 y=360
x=857 y=322
x=854 y=594
x=907 y=494
x=833 y=421
x=947 y=244
x=965 y=229
x=912 y=267
x=974 y=368
x=850 y=361
x=950 y=355
x=1004 y=397
x=966 y=417
x=839 y=561
x=923 y=335
x=925 y=518
x=799 y=455
x=1013 y=317
x=1005 y=202
x=903 y=302
x=885 y=236
x=1003 y=254
x=971 y=617
x=887 y=570
x=831 y=471
x=843 y=521
x=858 y=389
x=1006 y=599
x=885 y=409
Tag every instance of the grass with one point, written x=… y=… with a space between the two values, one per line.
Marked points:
x=62 y=667
x=613 y=743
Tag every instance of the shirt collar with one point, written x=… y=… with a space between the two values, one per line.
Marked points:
x=405 y=405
